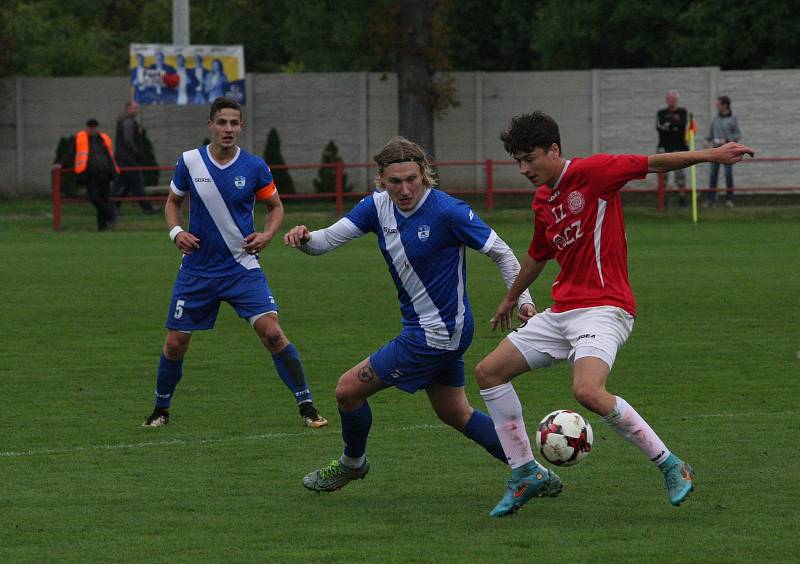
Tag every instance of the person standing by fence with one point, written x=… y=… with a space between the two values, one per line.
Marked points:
x=671 y=126
x=92 y=155
x=129 y=153
x=724 y=128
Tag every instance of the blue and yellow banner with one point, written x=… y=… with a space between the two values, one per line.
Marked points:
x=186 y=74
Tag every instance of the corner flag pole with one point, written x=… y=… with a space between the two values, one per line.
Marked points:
x=690 y=134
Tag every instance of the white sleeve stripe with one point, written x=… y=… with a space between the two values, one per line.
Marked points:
x=489 y=242
x=176 y=190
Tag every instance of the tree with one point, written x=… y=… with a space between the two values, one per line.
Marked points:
x=78 y=38
x=502 y=41
x=326 y=177
x=414 y=73
x=92 y=37
x=325 y=36
x=273 y=156
x=583 y=34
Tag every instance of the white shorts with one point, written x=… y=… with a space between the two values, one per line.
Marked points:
x=593 y=331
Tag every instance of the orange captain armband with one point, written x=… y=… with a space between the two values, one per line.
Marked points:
x=266 y=192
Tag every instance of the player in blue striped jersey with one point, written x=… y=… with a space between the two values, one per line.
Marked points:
x=422 y=234
x=220 y=257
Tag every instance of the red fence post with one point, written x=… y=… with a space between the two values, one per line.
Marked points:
x=339 y=187
x=56 y=184
x=662 y=191
x=489 y=184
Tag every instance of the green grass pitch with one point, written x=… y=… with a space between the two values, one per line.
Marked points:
x=712 y=364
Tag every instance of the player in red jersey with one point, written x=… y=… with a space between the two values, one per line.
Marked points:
x=578 y=221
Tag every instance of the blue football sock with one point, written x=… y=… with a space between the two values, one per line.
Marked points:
x=355 y=430
x=480 y=428
x=169 y=374
x=291 y=372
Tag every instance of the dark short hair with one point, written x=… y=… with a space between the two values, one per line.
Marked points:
x=91 y=122
x=725 y=101
x=528 y=131
x=221 y=103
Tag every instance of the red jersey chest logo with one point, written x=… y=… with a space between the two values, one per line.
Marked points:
x=563 y=231
x=575 y=202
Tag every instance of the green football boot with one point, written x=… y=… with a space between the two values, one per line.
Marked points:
x=334 y=476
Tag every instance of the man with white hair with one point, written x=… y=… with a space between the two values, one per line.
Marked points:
x=671 y=126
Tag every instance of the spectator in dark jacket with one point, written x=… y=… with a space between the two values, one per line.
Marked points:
x=129 y=153
x=91 y=153
x=671 y=126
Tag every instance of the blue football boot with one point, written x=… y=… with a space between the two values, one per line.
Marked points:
x=678 y=479
x=527 y=482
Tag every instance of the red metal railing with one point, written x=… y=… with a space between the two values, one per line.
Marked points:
x=489 y=189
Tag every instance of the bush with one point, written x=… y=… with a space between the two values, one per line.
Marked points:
x=326 y=178
x=272 y=154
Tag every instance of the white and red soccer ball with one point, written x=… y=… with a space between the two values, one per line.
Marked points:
x=564 y=437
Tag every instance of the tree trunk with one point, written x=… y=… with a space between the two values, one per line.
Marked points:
x=414 y=74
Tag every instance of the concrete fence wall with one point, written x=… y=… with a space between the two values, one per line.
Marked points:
x=598 y=111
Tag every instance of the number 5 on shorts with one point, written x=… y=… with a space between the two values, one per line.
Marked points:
x=179 y=309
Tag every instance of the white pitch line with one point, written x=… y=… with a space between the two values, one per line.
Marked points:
x=306 y=434
x=189 y=442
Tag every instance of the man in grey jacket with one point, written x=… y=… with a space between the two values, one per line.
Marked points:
x=129 y=152
x=724 y=128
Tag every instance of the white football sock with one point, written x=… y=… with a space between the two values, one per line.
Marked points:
x=629 y=425
x=506 y=412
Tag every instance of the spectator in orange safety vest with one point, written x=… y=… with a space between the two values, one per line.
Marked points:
x=92 y=155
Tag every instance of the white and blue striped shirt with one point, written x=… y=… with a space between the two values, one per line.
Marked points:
x=424 y=250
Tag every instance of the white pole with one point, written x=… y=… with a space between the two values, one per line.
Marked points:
x=180 y=22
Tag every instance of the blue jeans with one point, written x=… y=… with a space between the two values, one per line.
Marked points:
x=712 y=182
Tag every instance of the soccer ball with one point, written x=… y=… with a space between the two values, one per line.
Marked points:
x=564 y=437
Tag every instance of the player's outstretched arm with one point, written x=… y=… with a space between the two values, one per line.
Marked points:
x=728 y=153
x=322 y=240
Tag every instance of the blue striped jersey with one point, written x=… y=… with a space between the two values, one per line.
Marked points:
x=222 y=198
x=425 y=253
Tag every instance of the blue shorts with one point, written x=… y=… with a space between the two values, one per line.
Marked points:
x=409 y=365
x=195 y=299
